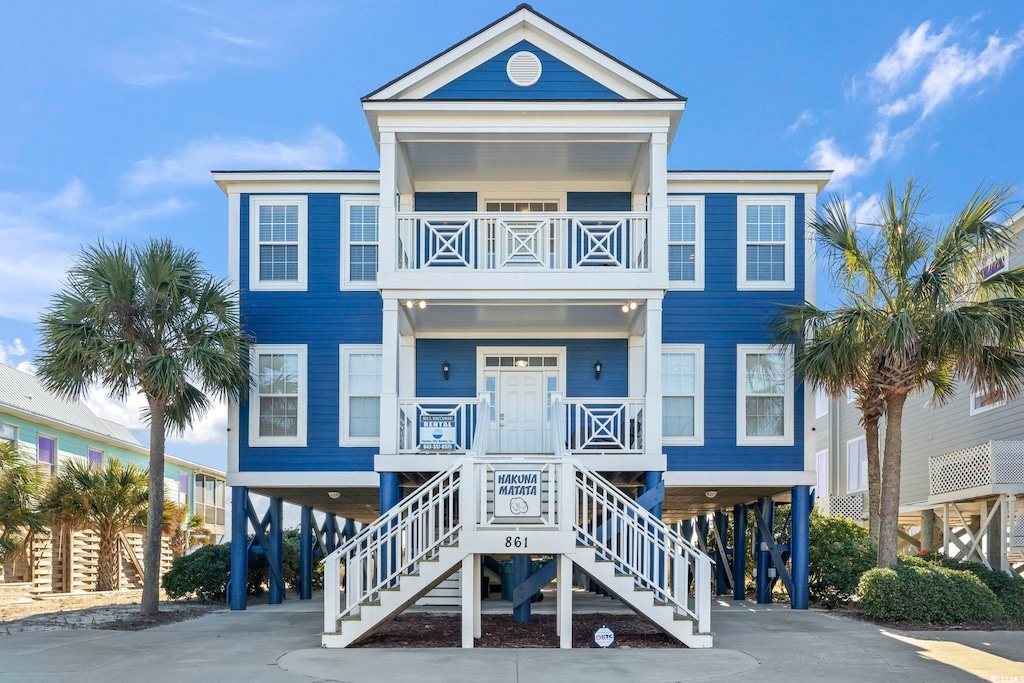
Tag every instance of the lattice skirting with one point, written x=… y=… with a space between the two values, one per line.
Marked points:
x=850 y=507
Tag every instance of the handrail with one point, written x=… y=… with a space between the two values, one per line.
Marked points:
x=478 y=446
x=560 y=440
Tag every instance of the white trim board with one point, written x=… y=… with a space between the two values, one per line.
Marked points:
x=317 y=480
x=690 y=479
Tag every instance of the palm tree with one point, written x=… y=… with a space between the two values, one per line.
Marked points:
x=912 y=315
x=108 y=499
x=20 y=486
x=146 y=319
x=183 y=527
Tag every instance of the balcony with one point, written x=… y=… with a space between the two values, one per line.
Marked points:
x=990 y=468
x=517 y=242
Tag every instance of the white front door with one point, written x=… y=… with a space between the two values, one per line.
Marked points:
x=520 y=411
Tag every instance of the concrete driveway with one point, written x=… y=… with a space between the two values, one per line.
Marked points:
x=281 y=643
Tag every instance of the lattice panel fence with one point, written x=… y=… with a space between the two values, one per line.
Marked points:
x=960 y=470
x=1017 y=534
x=1008 y=462
x=850 y=507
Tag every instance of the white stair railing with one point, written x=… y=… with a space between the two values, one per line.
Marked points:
x=393 y=546
x=642 y=546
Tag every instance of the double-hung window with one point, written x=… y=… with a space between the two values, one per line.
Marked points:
x=686 y=243
x=277 y=409
x=361 y=381
x=360 y=218
x=682 y=391
x=764 y=395
x=95 y=457
x=766 y=243
x=856 y=465
x=9 y=433
x=277 y=243
x=46 y=451
x=984 y=401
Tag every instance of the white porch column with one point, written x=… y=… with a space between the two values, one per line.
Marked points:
x=652 y=372
x=659 y=205
x=388 y=225
x=563 y=607
x=469 y=590
x=389 y=380
x=407 y=366
x=635 y=366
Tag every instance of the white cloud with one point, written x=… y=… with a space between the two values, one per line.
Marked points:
x=910 y=51
x=10 y=353
x=211 y=428
x=826 y=155
x=806 y=117
x=39 y=234
x=320 y=148
x=864 y=211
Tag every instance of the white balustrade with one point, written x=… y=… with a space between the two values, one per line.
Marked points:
x=596 y=425
x=550 y=241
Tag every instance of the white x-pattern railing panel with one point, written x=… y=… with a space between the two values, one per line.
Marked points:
x=993 y=462
x=595 y=425
x=463 y=412
x=549 y=241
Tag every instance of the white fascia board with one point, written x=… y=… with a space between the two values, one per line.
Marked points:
x=297 y=181
x=1015 y=222
x=748 y=181
x=690 y=479
x=429 y=284
x=319 y=480
x=522 y=25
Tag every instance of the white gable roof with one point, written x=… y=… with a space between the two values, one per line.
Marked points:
x=523 y=23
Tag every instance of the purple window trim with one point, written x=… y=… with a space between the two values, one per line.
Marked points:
x=47 y=449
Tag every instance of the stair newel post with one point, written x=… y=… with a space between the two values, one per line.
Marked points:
x=702 y=596
x=332 y=594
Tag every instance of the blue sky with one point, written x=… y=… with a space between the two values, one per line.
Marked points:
x=114 y=112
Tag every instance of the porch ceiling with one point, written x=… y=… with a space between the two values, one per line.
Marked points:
x=465 y=318
x=535 y=160
x=360 y=503
x=685 y=502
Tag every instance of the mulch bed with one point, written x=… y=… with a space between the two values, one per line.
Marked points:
x=500 y=631
x=860 y=615
x=138 y=622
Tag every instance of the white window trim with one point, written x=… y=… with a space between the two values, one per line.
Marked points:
x=978 y=410
x=828 y=483
x=346 y=350
x=357 y=200
x=789 y=282
x=850 y=489
x=14 y=439
x=257 y=285
x=698 y=400
x=827 y=401
x=697 y=284
x=742 y=350
x=255 y=440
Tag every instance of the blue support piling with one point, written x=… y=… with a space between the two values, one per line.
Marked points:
x=651 y=480
x=239 y=546
x=721 y=577
x=799 y=545
x=739 y=552
x=276 y=554
x=520 y=573
x=349 y=530
x=330 y=533
x=306 y=554
x=761 y=554
x=390 y=496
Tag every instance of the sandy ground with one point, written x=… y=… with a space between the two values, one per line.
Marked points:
x=110 y=610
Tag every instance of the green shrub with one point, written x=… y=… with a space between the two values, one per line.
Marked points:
x=840 y=553
x=291 y=562
x=1009 y=589
x=921 y=592
x=203 y=574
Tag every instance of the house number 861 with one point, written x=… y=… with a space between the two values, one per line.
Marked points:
x=515 y=541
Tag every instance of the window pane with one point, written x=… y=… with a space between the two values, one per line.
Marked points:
x=364 y=416
x=47 y=449
x=363 y=223
x=765 y=416
x=678 y=374
x=279 y=223
x=765 y=373
x=362 y=263
x=766 y=263
x=364 y=373
x=95 y=457
x=766 y=223
x=279 y=262
x=8 y=432
x=681 y=266
x=279 y=373
x=279 y=416
x=677 y=415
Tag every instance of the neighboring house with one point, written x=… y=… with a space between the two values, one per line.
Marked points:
x=50 y=431
x=525 y=281
x=962 y=486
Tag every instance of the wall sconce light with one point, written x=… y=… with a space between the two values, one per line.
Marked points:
x=445 y=369
x=597 y=369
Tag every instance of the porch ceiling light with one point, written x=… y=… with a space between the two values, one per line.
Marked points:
x=597 y=369
x=522 y=362
x=711 y=494
x=419 y=303
x=334 y=495
x=629 y=306
x=445 y=369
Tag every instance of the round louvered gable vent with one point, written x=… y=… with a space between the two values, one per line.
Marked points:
x=523 y=69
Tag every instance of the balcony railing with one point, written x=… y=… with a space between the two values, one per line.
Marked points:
x=437 y=425
x=601 y=425
x=518 y=241
x=986 y=464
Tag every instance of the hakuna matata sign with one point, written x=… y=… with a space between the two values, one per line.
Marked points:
x=517 y=494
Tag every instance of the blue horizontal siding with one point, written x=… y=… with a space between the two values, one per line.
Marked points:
x=489 y=81
x=720 y=317
x=446 y=201
x=580 y=356
x=322 y=318
x=598 y=201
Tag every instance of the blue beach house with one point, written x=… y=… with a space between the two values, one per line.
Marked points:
x=524 y=335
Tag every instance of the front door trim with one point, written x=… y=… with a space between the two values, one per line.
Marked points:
x=483 y=352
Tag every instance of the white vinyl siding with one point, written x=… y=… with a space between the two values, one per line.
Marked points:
x=856 y=465
x=360 y=235
x=361 y=381
x=764 y=392
x=682 y=390
x=277 y=243
x=686 y=243
x=277 y=409
x=765 y=240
